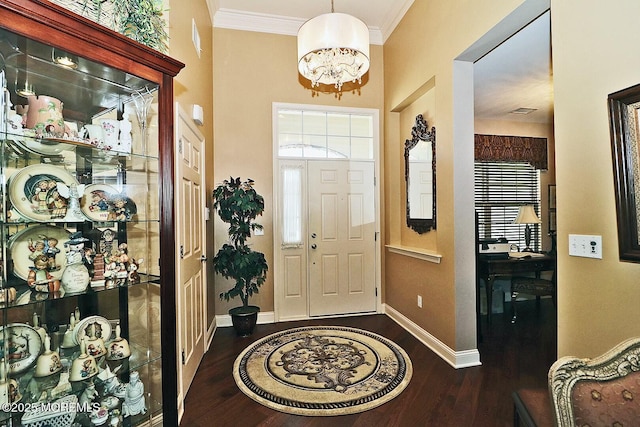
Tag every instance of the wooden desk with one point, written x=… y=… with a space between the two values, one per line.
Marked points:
x=490 y=268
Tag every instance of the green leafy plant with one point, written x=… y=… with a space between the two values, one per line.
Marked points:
x=140 y=20
x=238 y=204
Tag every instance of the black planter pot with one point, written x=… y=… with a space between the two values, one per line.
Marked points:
x=244 y=319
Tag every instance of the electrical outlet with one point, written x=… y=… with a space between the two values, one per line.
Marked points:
x=420 y=301
x=585 y=246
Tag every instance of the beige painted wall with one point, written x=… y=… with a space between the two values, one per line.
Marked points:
x=598 y=300
x=251 y=71
x=194 y=85
x=420 y=53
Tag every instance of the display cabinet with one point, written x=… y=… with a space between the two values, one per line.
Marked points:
x=87 y=294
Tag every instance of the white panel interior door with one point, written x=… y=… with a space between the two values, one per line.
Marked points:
x=341 y=244
x=191 y=292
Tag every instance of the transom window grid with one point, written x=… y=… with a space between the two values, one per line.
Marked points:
x=324 y=134
x=500 y=189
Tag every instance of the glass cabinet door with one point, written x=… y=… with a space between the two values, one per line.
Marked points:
x=80 y=223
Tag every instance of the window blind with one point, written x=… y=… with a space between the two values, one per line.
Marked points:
x=500 y=189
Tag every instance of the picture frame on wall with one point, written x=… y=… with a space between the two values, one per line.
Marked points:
x=624 y=118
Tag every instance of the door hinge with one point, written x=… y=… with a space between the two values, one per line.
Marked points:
x=376 y=291
x=375 y=236
x=375 y=181
x=181 y=252
x=184 y=358
x=180 y=145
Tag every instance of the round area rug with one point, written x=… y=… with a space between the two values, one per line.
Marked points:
x=322 y=370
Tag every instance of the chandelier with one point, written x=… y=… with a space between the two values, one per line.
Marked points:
x=333 y=48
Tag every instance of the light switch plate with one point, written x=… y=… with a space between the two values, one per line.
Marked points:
x=585 y=246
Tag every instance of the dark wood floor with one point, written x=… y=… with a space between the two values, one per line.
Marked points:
x=512 y=356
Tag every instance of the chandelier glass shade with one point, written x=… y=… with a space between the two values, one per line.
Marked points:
x=333 y=48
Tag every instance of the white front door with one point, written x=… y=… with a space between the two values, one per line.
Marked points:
x=191 y=290
x=341 y=245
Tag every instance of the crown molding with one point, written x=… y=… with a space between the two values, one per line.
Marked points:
x=264 y=23
x=396 y=16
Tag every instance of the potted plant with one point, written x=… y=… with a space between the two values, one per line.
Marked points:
x=238 y=204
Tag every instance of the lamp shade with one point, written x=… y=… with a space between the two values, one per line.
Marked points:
x=333 y=48
x=526 y=215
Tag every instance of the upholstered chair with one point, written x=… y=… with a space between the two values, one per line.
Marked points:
x=603 y=391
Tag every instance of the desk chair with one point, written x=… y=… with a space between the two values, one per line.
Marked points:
x=532 y=286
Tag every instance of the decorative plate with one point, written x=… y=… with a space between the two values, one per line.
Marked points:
x=28 y=243
x=33 y=192
x=83 y=328
x=23 y=345
x=96 y=203
x=47 y=146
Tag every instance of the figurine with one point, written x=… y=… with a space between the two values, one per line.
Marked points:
x=134 y=277
x=106 y=242
x=51 y=251
x=75 y=277
x=39 y=277
x=87 y=396
x=134 y=396
x=124 y=144
x=72 y=193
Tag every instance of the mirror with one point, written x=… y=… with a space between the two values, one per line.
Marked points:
x=420 y=176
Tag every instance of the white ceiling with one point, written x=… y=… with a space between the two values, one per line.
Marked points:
x=517 y=74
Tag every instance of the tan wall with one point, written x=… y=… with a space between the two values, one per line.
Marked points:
x=598 y=300
x=418 y=55
x=194 y=85
x=251 y=71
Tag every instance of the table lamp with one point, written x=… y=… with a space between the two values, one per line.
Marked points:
x=527 y=215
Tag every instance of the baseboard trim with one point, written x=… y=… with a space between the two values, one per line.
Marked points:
x=211 y=331
x=224 y=320
x=457 y=359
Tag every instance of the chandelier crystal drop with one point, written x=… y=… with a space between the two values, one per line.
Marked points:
x=333 y=49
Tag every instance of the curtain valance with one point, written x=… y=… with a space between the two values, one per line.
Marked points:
x=503 y=148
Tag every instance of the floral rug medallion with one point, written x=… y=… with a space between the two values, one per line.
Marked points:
x=322 y=371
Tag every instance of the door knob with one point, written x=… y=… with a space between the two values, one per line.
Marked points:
x=313 y=235
x=203 y=258
x=314 y=246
